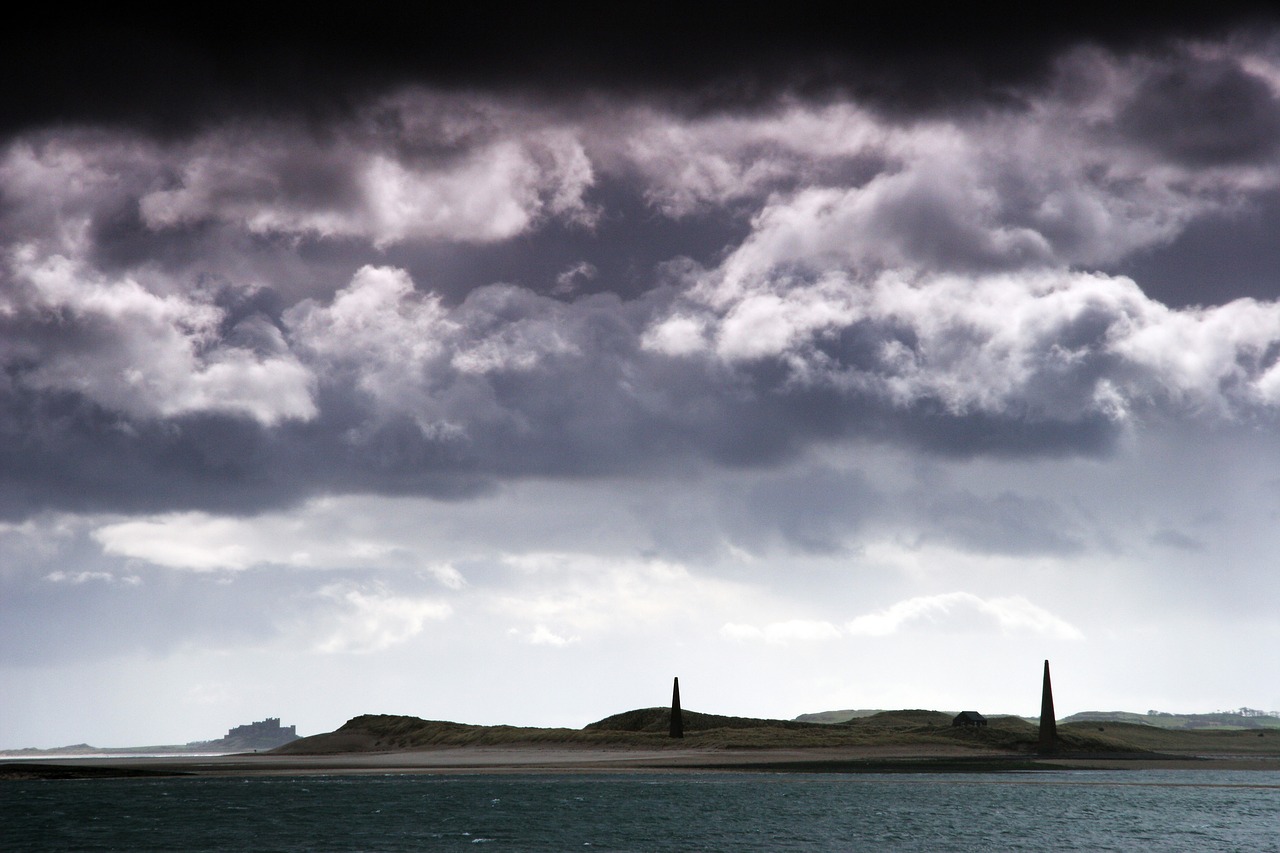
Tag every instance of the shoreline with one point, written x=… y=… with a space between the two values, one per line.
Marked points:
x=538 y=759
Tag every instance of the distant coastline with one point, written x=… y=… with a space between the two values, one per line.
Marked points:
x=260 y=735
x=921 y=731
x=1241 y=718
x=887 y=741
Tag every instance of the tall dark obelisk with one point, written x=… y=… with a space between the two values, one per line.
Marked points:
x=677 y=717
x=1048 y=722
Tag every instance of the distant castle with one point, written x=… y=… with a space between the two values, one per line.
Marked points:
x=268 y=728
x=264 y=734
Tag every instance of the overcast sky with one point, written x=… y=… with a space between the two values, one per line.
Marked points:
x=500 y=372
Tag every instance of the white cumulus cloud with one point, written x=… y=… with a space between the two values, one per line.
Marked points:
x=963 y=611
x=370 y=618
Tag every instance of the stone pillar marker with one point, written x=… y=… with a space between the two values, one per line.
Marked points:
x=1048 y=722
x=677 y=718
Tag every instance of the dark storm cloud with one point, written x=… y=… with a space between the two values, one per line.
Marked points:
x=1204 y=113
x=62 y=451
x=431 y=290
x=604 y=412
x=170 y=71
x=626 y=247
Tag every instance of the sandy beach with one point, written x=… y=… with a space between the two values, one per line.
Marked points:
x=568 y=759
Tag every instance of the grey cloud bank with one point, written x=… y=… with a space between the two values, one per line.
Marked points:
x=893 y=273
x=455 y=376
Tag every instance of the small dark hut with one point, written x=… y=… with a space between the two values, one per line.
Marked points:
x=970 y=719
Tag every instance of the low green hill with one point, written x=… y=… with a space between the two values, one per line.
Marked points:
x=910 y=728
x=385 y=732
x=1139 y=736
x=1244 y=719
x=648 y=727
x=659 y=720
x=829 y=717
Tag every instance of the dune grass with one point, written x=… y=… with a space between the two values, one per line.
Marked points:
x=648 y=727
x=1194 y=741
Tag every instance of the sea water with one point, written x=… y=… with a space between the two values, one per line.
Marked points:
x=1081 y=810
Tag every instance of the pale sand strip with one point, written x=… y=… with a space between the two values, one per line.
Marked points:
x=568 y=759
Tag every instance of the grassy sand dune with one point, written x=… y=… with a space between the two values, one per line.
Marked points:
x=1138 y=737
x=886 y=742
x=647 y=728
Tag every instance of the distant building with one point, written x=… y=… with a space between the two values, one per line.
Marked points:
x=269 y=728
x=264 y=734
x=970 y=719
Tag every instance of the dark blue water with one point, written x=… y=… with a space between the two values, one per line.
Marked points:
x=1087 y=811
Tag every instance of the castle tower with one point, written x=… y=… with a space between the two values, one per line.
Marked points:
x=677 y=718
x=1048 y=722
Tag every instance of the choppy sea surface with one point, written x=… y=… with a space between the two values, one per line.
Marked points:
x=1070 y=810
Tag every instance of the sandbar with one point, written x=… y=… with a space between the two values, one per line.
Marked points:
x=571 y=759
